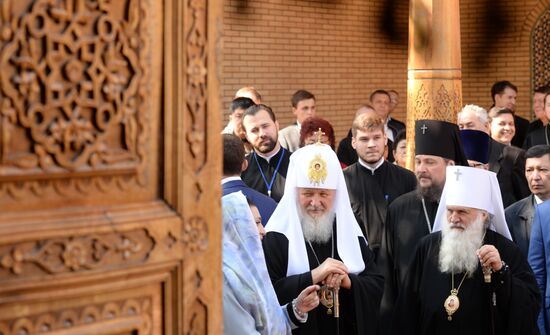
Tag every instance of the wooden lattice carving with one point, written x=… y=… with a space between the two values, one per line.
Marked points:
x=541 y=51
x=72 y=95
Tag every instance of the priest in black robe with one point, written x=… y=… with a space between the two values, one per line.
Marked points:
x=411 y=216
x=312 y=237
x=373 y=183
x=268 y=162
x=468 y=278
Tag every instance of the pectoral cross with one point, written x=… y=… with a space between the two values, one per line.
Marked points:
x=319 y=135
x=457 y=174
x=424 y=128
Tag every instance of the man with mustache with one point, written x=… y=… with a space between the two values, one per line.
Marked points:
x=313 y=238
x=468 y=278
x=411 y=216
x=268 y=162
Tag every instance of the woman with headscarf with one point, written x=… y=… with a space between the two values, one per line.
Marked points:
x=249 y=301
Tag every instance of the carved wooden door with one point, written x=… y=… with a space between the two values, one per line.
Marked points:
x=109 y=167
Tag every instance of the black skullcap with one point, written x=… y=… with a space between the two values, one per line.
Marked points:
x=476 y=145
x=439 y=138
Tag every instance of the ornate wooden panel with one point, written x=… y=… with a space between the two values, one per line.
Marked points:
x=540 y=50
x=109 y=170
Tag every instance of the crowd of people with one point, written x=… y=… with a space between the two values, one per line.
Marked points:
x=326 y=239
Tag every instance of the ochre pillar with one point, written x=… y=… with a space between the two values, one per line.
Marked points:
x=434 y=87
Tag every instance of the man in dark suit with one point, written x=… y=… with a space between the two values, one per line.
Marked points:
x=506 y=161
x=233 y=164
x=504 y=95
x=381 y=102
x=519 y=215
x=538 y=259
x=542 y=134
x=538 y=109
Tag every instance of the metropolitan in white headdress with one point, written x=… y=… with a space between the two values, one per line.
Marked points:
x=473 y=188
x=469 y=278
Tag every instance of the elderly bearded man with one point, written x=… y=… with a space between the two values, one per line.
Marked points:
x=313 y=238
x=470 y=278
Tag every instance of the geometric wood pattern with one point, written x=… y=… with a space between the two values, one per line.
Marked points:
x=541 y=51
x=434 y=99
x=110 y=167
x=77 y=120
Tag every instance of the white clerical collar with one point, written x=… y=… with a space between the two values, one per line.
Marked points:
x=228 y=179
x=371 y=167
x=268 y=158
x=538 y=200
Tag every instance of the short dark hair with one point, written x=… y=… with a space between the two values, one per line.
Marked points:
x=312 y=125
x=254 y=109
x=233 y=154
x=401 y=135
x=500 y=86
x=299 y=96
x=543 y=89
x=379 y=92
x=240 y=103
x=537 y=151
x=496 y=112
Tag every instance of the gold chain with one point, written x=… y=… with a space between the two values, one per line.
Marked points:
x=453 y=283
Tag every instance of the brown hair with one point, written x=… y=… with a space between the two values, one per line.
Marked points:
x=233 y=155
x=497 y=111
x=368 y=121
x=299 y=96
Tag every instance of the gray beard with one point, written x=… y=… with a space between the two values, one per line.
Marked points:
x=457 y=253
x=317 y=230
x=432 y=193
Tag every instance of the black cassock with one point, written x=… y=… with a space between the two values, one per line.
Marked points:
x=508 y=305
x=371 y=193
x=252 y=176
x=358 y=306
x=405 y=225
